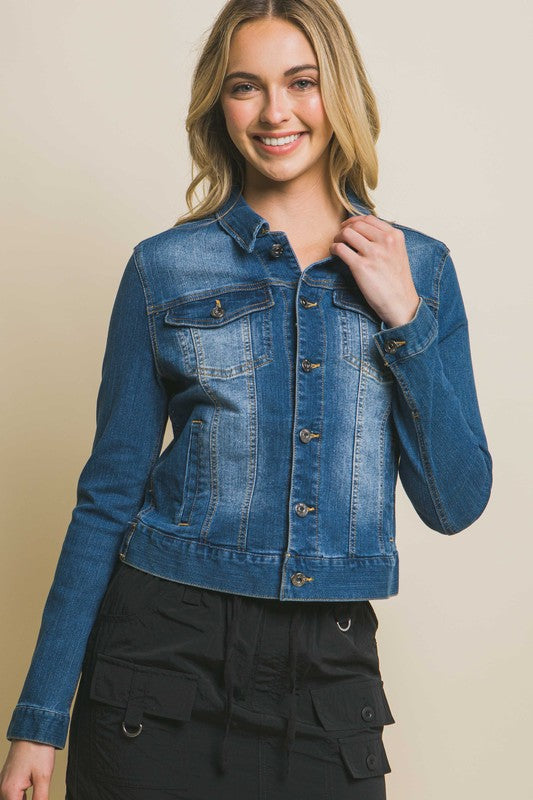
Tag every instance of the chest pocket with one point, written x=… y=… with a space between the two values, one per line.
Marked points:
x=224 y=333
x=357 y=323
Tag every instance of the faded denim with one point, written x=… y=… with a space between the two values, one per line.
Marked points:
x=293 y=408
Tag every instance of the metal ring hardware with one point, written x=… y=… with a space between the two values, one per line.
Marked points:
x=347 y=627
x=129 y=733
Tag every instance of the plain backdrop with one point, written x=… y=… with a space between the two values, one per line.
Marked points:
x=94 y=97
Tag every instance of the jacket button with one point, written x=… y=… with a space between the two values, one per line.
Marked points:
x=368 y=713
x=276 y=250
x=391 y=345
x=305 y=435
x=298 y=579
x=307 y=365
x=306 y=303
x=217 y=310
x=371 y=761
x=301 y=509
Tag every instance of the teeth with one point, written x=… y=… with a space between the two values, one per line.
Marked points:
x=279 y=141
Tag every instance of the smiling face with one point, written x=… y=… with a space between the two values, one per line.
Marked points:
x=275 y=93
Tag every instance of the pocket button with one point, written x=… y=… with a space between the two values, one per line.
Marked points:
x=371 y=761
x=368 y=713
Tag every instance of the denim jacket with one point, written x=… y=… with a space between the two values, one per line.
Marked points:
x=294 y=408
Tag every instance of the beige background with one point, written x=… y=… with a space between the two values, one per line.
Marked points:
x=94 y=97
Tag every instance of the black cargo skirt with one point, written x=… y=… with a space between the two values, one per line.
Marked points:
x=193 y=693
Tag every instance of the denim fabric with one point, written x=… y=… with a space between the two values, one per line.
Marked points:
x=294 y=409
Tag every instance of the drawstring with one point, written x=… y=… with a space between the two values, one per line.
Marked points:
x=232 y=609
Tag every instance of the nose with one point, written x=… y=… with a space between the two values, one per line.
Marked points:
x=276 y=107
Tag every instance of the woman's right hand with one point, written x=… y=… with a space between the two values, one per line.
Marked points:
x=27 y=764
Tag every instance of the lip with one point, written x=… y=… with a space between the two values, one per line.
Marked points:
x=278 y=135
x=279 y=149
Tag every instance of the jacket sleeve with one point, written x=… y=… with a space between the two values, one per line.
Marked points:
x=131 y=416
x=445 y=466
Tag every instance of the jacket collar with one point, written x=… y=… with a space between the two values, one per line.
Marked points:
x=245 y=225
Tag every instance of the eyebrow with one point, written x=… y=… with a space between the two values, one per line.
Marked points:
x=286 y=74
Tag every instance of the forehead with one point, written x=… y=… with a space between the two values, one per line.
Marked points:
x=282 y=45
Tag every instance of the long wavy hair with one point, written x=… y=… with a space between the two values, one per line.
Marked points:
x=348 y=99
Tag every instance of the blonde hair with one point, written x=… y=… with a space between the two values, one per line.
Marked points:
x=348 y=99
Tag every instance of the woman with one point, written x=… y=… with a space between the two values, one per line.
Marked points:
x=307 y=353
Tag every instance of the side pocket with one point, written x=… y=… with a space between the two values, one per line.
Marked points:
x=364 y=756
x=192 y=468
x=137 y=716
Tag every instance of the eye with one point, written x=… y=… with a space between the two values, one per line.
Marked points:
x=306 y=80
x=237 y=89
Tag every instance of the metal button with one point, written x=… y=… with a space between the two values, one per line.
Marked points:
x=301 y=509
x=391 y=345
x=298 y=579
x=307 y=365
x=305 y=435
x=368 y=713
x=306 y=303
x=276 y=250
x=217 y=310
x=371 y=761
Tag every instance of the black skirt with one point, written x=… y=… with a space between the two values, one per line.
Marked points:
x=192 y=693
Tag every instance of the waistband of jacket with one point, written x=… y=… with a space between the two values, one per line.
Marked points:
x=268 y=575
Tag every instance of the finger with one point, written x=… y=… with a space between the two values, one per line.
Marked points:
x=354 y=239
x=371 y=232
x=372 y=220
x=379 y=223
x=41 y=785
x=348 y=255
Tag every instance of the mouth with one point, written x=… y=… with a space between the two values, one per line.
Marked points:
x=279 y=145
x=279 y=140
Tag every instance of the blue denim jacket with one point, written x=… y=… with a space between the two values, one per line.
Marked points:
x=294 y=408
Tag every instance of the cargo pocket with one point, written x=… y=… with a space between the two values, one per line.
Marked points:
x=364 y=756
x=357 y=704
x=359 y=707
x=138 y=714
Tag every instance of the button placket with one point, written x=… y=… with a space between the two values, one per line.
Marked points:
x=304 y=469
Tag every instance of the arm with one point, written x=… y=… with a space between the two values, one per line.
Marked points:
x=445 y=465
x=131 y=416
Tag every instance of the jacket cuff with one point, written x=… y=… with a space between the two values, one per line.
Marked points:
x=38 y=725
x=403 y=341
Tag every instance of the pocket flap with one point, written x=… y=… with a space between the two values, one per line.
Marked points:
x=353 y=299
x=364 y=756
x=164 y=693
x=359 y=703
x=217 y=308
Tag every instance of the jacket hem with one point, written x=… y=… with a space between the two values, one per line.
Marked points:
x=260 y=574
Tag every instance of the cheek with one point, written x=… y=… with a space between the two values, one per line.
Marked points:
x=315 y=115
x=238 y=117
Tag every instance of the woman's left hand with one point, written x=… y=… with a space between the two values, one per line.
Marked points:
x=377 y=257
